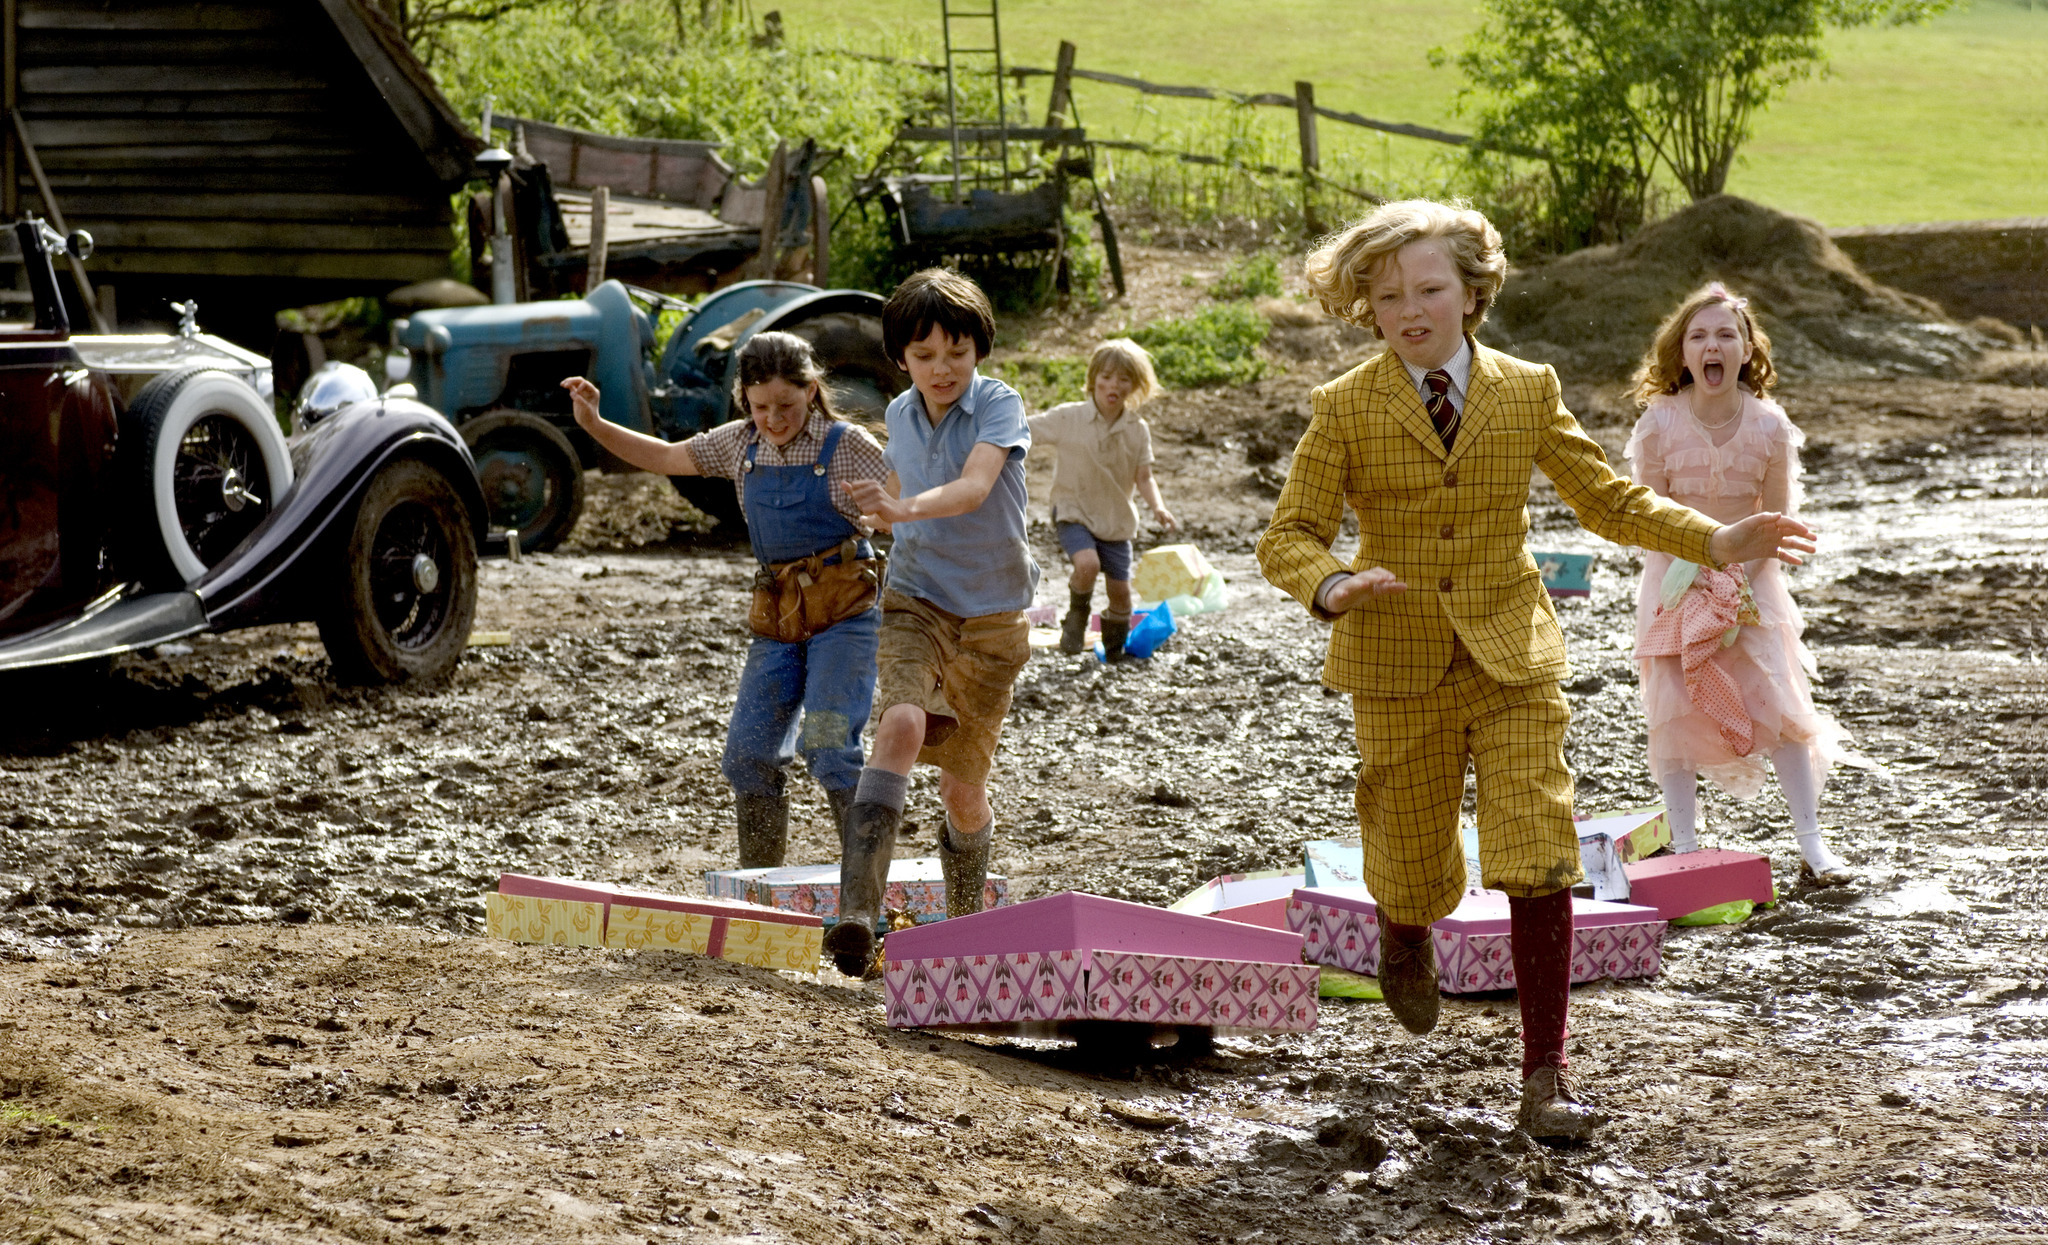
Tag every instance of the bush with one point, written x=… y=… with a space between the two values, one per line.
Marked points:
x=1043 y=382
x=1248 y=277
x=1215 y=346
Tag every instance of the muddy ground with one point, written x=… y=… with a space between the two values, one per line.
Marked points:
x=243 y=997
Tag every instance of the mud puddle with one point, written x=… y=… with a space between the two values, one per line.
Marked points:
x=215 y=858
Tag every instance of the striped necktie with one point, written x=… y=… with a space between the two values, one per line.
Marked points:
x=1438 y=403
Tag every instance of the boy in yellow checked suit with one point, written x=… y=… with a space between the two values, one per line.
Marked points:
x=1444 y=635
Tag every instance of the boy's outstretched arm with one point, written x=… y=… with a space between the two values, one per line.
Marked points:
x=1294 y=554
x=962 y=496
x=1148 y=488
x=645 y=452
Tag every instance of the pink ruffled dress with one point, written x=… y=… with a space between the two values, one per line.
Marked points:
x=1768 y=666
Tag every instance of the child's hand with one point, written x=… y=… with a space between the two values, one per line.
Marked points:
x=583 y=397
x=877 y=508
x=1164 y=518
x=1352 y=590
x=1763 y=535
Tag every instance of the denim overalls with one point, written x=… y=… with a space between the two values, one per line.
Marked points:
x=812 y=697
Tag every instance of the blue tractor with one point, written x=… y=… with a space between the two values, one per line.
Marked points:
x=496 y=373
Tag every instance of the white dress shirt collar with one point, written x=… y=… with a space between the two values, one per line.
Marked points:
x=1460 y=368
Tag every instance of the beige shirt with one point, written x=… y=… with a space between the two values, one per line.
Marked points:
x=1098 y=466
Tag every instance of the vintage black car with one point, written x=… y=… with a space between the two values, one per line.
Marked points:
x=137 y=509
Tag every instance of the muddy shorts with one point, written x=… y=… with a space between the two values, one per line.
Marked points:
x=958 y=670
x=1115 y=554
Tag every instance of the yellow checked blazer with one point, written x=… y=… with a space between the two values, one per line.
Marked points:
x=1449 y=525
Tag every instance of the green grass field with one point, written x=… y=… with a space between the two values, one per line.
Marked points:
x=1943 y=122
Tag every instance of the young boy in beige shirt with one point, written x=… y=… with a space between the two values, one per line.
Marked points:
x=1104 y=451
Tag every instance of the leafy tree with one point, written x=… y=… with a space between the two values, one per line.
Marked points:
x=1610 y=91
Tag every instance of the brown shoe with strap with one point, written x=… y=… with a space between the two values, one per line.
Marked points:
x=1552 y=1112
x=1408 y=981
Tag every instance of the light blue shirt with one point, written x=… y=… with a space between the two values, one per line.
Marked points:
x=975 y=563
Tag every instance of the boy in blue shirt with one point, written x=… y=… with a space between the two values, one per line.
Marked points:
x=954 y=636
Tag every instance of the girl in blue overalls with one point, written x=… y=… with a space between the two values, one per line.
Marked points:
x=809 y=681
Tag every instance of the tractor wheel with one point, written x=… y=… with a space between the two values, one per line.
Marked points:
x=531 y=476
x=204 y=464
x=858 y=371
x=400 y=588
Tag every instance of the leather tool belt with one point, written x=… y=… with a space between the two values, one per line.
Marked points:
x=794 y=601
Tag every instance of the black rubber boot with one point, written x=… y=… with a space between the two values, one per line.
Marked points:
x=1074 y=627
x=963 y=858
x=1114 y=632
x=863 y=878
x=764 y=830
x=842 y=807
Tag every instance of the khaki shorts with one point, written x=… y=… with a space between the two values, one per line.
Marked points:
x=959 y=671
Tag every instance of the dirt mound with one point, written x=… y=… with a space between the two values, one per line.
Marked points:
x=1592 y=313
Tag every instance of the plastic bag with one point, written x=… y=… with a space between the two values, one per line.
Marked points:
x=1213 y=597
x=1335 y=983
x=1149 y=630
x=1734 y=912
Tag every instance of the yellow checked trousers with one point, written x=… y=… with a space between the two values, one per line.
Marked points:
x=1411 y=782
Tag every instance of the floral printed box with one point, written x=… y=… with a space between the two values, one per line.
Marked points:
x=571 y=912
x=552 y=922
x=1340 y=927
x=916 y=886
x=1031 y=968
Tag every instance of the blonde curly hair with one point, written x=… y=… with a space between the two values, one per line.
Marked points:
x=1342 y=265
x=1121 y=356
x=1663 y=369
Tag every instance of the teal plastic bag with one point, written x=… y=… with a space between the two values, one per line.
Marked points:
x=1149 y=630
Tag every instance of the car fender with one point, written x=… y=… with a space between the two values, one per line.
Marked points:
x=262 y=581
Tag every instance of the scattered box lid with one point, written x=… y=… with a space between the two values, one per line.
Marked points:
x=1073 y=920
x=1254 y=898
x=1170 y=571
x=1566 y=574
x=1677 y=885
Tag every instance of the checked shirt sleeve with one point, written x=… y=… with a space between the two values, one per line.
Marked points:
x=1294 y=554
x=1608 y=504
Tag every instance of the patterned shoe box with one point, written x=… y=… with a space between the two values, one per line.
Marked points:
x=1677 y=885
x=1609 y=842
x=1253 y=898
x=1074 y=957
x=777 y=944
x=550 y=922
x=916 y=886
x=1340 y=927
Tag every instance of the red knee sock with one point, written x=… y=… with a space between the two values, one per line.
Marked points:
x=1541 y=930
x=1408 y=935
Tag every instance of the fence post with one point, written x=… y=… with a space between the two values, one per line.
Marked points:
x=600 y=226
x=1311 y=152
x=1056 y=105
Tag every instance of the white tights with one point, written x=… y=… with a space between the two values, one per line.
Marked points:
x=1794 y=765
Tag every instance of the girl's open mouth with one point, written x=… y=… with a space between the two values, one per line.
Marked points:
x=1712 y=371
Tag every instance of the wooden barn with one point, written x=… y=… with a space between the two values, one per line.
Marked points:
x=251 y=154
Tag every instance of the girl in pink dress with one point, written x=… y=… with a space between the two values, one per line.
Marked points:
x=1724 y=672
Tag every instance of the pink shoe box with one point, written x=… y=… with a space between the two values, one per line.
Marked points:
x=1031 y=969
x=591 y=914
x=1677 y=885
x=1253 y=898
x=916 y=886
x=1340 y=927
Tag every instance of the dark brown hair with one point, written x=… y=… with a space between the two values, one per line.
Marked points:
x=784 y=357
x=937 y=298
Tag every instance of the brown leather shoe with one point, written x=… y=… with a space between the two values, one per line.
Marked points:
x=1408 y=980
x=1551 y=1111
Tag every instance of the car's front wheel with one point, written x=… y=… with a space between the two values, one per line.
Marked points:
x=401 y=589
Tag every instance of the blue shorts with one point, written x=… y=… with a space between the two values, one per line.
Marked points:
x=1115 y=554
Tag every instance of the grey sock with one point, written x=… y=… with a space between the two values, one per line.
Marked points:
x=880 y=786
x=952 y=835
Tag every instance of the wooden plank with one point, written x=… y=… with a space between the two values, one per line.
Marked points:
x=222 y=104
x=79 y=47
x=395 y=267
x=52 y=135
x=97 y=15
x=95 y=204
x=990 y=133
x=118 y=235
x=162 y=79
x=1395 y=127
x=336 y=177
